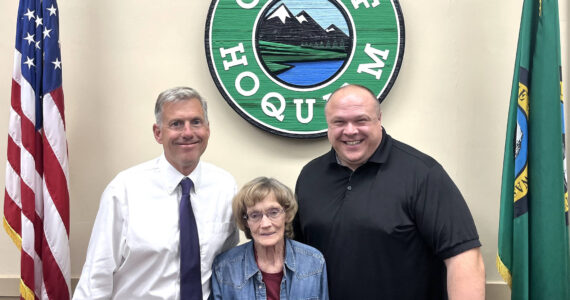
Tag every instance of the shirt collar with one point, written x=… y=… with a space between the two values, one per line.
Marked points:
x=289 y=256
x=381 y=154
x=171 y=177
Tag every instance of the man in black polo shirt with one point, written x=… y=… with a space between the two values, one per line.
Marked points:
x=388 y=219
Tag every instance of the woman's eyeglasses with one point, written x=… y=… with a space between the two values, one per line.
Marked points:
x=256 y=216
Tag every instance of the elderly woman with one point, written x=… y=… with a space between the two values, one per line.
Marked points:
x=272 y=266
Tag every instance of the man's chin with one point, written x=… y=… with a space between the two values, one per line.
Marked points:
x=351 y=161
x=352 y=156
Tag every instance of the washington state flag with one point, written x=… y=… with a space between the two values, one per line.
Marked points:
x=533 y=253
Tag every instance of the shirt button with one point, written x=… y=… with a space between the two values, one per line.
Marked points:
x=349 y=188
x=260 y=286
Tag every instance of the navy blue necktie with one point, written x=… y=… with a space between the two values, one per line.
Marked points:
x=190 y=275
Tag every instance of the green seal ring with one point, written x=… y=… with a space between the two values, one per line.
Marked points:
x=276 y=62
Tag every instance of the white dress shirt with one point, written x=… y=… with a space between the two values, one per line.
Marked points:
x=134 y=250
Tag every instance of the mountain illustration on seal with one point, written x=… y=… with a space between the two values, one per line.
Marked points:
x=298 y=50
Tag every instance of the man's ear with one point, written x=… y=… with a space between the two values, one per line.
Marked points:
x=157 y=133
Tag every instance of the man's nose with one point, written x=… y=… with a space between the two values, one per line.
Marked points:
x=187 y=130
x=350 y=128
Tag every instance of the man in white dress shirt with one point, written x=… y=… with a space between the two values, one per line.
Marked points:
x=134 y=251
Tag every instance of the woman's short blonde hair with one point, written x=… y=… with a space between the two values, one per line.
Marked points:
x=254 y=192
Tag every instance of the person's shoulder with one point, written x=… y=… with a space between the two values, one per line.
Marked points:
x=317 y=163
x=231 y=256
x=306 y=251
x=138 y=170
x=321 y=159
x=308 y=260
x=412 y=155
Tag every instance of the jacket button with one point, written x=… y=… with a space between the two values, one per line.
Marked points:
x=349 y=188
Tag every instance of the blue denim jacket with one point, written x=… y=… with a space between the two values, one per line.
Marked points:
x=235 y=274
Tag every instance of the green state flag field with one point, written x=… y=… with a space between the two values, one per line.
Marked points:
x=533 y=249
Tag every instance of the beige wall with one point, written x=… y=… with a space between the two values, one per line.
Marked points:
x=450 y=101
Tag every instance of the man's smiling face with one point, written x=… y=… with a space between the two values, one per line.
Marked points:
x=354 y=127
x=183 y=133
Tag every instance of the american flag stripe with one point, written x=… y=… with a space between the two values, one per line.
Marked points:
x=36 y=201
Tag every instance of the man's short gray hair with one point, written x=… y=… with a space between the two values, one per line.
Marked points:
x=175 y=94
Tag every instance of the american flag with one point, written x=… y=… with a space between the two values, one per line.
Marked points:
x=36 y=201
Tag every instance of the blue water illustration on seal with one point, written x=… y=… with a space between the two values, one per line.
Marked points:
x=310 y=73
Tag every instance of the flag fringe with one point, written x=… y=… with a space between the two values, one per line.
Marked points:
x=504 y=271
x=16 y=238
x=25 y=292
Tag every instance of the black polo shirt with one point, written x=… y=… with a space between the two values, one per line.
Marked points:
x=385 y=228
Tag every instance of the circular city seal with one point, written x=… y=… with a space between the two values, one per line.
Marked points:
x=276 y=62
